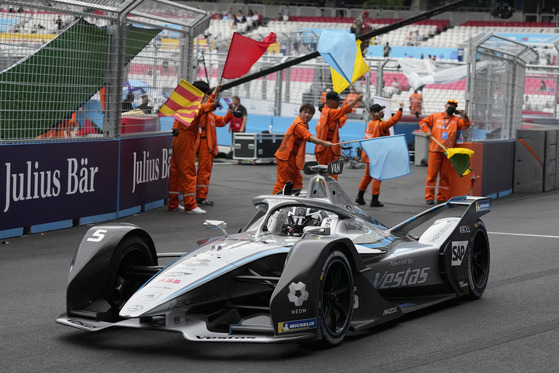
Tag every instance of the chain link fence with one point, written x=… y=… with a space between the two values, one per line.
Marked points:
x=82 y=69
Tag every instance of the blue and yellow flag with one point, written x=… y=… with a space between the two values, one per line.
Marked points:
x=360 y=67
x=338 y=48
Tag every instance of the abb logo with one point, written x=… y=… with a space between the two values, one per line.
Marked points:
x=458 y=252
x=170 y=280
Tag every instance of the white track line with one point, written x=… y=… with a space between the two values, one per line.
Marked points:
x=524 y=235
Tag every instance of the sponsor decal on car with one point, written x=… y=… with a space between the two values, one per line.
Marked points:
x=135 y=307
x=82 y=324
x=177 y=274
x=463 y=284
x=411 y=276
x=440 y=232
x=209 y=337
x=465 y=229
x=354 y=226
x=298 y=293
x=483 y=206
x=390 y=311
x=401 y=262
x=150 y=297
x=178 y=303
x=169 y=280
x=458 y=252
x=296 y=325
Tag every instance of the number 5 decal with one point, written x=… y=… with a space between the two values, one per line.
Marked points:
x=98 y=235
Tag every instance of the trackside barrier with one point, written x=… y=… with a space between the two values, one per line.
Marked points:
x=492 y=170
x=59 y=185
x=535 y=166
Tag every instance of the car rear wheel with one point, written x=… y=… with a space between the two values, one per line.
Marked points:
x=478 y=262
x=336 y=299
x=130 y=252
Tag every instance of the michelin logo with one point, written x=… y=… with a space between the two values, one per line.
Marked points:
x=297 y=325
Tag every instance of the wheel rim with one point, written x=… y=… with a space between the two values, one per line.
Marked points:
x=336 y=298
x=480 y=260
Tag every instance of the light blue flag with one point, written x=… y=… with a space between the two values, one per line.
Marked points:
x=338 y=48
x=388 y=157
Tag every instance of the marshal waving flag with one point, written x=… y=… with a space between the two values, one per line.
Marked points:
x=360 y=67
x=183 y=104
x=388 y=157
x=243 y=53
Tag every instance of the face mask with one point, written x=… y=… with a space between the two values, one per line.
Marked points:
x=450 y=110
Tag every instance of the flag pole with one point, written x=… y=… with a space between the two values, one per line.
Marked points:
x=350 y=142
x=363 y=102
x=438 y=142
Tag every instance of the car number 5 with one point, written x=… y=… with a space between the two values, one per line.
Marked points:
x=98 y=235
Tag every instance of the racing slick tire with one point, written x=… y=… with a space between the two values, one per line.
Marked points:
x=131 y=251
x=478 y=262
x=335 y=299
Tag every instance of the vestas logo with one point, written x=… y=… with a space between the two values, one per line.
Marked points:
x=411 y=276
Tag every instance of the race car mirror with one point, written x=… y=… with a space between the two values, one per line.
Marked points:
x=308 y=168
x=217 y=224
x=335 y=168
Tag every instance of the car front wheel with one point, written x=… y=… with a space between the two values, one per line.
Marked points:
x=336 y=298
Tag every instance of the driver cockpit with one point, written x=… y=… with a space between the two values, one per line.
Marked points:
x=291 y=221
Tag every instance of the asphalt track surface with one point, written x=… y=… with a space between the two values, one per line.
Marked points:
x=513 y=328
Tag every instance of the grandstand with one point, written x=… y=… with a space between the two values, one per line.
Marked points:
x=300 y=34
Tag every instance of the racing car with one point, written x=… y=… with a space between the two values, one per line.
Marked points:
x=308 y=266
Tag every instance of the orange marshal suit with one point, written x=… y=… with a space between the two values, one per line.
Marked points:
x=207 y=150
x=290 y=155
x=327 y=129
x=182 y=171
x=444 y=129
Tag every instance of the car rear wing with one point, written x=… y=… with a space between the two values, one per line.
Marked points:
x=475 y=205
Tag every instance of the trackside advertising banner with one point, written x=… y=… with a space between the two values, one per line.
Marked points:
x=43 y=183
x=144 y=169
x=46 y=183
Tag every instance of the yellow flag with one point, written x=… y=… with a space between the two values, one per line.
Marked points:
x=460 y=159
x=360 y=68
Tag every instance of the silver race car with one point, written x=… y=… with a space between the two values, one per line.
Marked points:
x=308 y=266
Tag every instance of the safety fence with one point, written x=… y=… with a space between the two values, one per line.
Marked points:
x=72 y=71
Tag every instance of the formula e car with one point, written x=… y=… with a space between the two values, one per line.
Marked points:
x=308 y=266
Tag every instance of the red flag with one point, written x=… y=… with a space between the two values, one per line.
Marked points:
x=243 y=53
x=183 y=104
